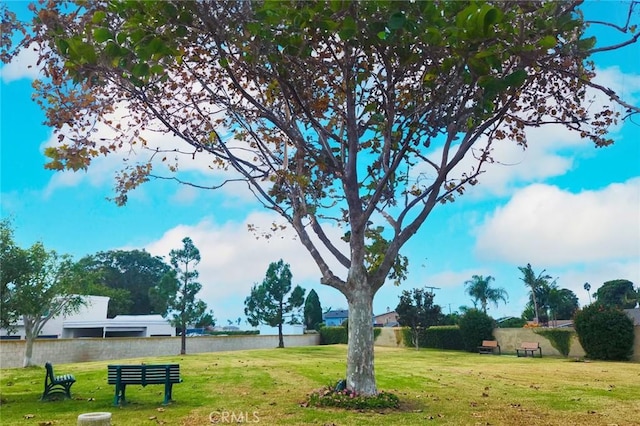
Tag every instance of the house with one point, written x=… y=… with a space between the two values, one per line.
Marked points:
x=335 y=318
x=388 y=319
x=91 y=321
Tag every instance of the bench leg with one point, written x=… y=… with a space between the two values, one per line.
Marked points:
x=119 y=398
x=167 y=393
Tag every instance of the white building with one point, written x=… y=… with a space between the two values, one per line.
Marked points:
x=91 y=321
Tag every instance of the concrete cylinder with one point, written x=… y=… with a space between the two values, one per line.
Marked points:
x=94 y=419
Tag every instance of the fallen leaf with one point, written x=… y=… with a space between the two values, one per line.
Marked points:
x=152 y=417
x=160 y=409
x=29 y=416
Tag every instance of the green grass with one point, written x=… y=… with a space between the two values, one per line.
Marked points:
x=440 y=387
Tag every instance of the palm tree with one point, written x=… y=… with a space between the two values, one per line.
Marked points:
x=534 y=283
x=587 y=287
x=479 y=288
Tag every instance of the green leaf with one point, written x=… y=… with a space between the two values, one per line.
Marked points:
x=516 y=78
x=140 y=70
x=397 y=21
x=349 y=28
x=548 y=42
x=101 y=35
x=98 y=17
x=156 y=69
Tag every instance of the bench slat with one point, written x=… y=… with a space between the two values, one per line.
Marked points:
x=143 y=374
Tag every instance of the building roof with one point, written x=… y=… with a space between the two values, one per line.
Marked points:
x=386 y=313
x=339 y=313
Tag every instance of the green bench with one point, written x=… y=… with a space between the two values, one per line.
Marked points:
x=54 y=385
x=142 y=374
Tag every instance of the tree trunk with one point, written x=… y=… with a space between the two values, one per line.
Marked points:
x=360 y=370
x=29 y=338
x=183 y=340
x=280 y=337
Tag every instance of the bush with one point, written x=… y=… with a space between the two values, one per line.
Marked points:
x=444 y=337
x=605 y=333
x=232 y=333
x=340 y=334
x=513 y=323
x=333 y=335
x=475 y=326
x=558 y=337
x=407 y=338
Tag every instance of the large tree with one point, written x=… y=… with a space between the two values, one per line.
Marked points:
x=268 y=302
x=355 y=114
x=13 y=264
x=37 y=286
x=480 y=290
x=175 y=295
x=130 y=271
x=537 y=285
x=312 y=311
x=417 y=311
x=617 y=293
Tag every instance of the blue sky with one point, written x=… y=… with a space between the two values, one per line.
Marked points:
x=562 y=205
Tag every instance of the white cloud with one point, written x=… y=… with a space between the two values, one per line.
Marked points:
x=22 y=66
x=234 y=259
x=545 y=225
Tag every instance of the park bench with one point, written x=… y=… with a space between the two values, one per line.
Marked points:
x=142 y=374
x=489 y=347
x=56 y=384
x=527 y=348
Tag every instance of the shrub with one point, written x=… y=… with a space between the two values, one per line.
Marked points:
x=232 y=333
x=333 y=335
x=475 y=326
x=444 y=337
x=513 y=323
x=340 y=334
x=558 y=337
x=407 y=337
x=339 y=396
x=605 y=333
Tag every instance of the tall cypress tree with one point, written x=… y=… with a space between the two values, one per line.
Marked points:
x=312 y=311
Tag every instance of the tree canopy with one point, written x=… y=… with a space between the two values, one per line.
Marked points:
x=175 y=295
x=348 y=114
x=417 y=311
x=312 y=311
x=479 y=288
x=618 y=293
x=36 y=286
x=268 y=302
x=129 y=274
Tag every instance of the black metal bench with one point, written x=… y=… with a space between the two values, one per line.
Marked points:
x=142 y=374
x=54 y=385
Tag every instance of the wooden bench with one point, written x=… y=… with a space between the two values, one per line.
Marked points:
x=142 y=374
x=489 y=347
x=527 y=348
x=54 y=385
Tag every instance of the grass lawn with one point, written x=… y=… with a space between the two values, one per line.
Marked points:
x=268 y=387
